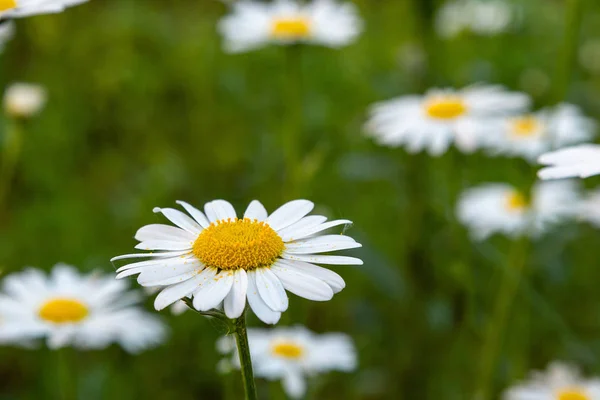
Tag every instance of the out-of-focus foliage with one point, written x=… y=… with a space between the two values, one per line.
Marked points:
x=144 y=109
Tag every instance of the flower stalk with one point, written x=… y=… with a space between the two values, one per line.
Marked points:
x=241 y=339
x=11 y=150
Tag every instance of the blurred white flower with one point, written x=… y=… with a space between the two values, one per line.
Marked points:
x=442 y=116
x=24 y=100
x=500 y=208
x=294 y=354
x=531 y=135
x=579 y=161
x=7 y=31
x=253 y=24
x=219 y=259
x=26 y=8
x=486 y=18
x=590 y=208
x=83 y=311
x=559 y=382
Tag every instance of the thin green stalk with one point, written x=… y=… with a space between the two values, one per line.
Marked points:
x=573 y=15
x=497 y=325
x=65 y=385
x=292 y=124
x=11 y=151
x=241 y=338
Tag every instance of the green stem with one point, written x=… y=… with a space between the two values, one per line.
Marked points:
x=497 y=325
x=574 y=12
x=11 y=150
x=292 y=119
x=66 y=386
x=241 y=338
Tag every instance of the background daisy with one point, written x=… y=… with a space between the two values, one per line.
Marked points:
x=26 y=8
x=486 y=18
x=441 y=117
x=580 y=161
x=295 y=354
x=253 y=24
x=214 y=257
x=69 y=309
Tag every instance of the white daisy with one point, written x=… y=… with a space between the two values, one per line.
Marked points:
x=442 y=116
x=590 y=208
x=294 y=354
x=24 y=100
x=217 y=258
x=531 y=135
x=485 y=18
x=559 y=382
x=26 y=8
x=580 y=161
x=7 y=31
x=253 y=24
x=500 y=208
x=86 y=312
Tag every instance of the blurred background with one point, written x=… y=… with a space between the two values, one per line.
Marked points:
x=144 y=108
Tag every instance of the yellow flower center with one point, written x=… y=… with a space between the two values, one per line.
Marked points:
x=445 y=107
x=238 y=243
x=290 y=28
x=516 y=201
x=288 y=350
x=525 y=126
x=572 y=394
x=63 y=311
x=6 y=5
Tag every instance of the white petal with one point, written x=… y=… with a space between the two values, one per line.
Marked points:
x=219 y=210
x=161 y=276
x=271 y=290
x=289 y=213
x=305 y=223
x=302 y=233
x=235 y=302
x=166 y=254
x=256 y=211
x=195 y=213
x=177 y=292
x=180 y=219
x=260 y=308
x=294 y=384
x=161 y=262
x=163 y=232
x=213 y=291
x=302 y=285
x=164 y=245
x=335 y=281
x=318 y=259
x=322 y=244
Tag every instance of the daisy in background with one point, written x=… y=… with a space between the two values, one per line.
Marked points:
x=559 y=382
x=69 y=309
x=500 y=208
x=294 y=354
x=24 y=100
x=579 y=161
x=217 y=259
x=530 y=135
x=590 y=208
x=441 y=117
x=485 y=18
x=254 y=24
x=7 y=31
x=25 y=8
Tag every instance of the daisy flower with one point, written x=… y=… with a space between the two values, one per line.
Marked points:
x=559 y=382
x=217 y=258
x=500 y=208
x=253 y=24
x=580 y=161
x=442 y=116
x=294 y=354
x=26 y=8
x=485 y=18
x=531 y=135
x=84 y=311
x=24 y=100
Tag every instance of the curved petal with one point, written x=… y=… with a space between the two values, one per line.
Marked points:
x=260 y=308
x=165 y=254
x=335 y=281
x=195 y=213
x=180 y=219
x=235 y=302
x=322 y=244
x=289 y=213
x=177 y=292
x=271 y=290
x=161 y=276
x=305 y=223
x=164 y=245
x=218 y=210
x=256 y=211
x=318 y=259
x=163 y=232
x=213 y=291
x=303 y=285
x=305 y=232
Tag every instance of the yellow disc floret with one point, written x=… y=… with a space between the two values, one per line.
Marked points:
x=63 y=311
x=238 y=243
x=287 y=350
x=445 y=107
x=290 y=28
x=516 y=201
x=525 y=126
x=572 y=394
x=6 y=5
